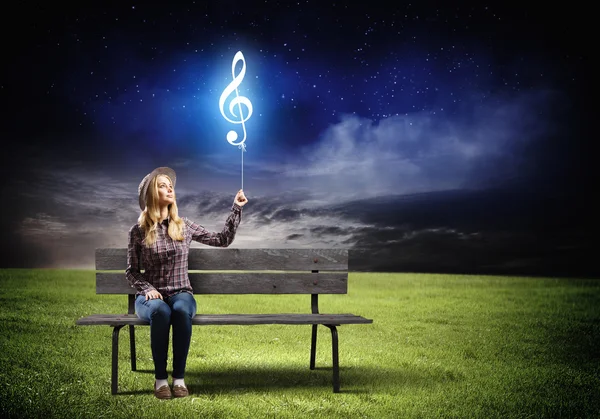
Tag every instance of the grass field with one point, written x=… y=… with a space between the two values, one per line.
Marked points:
x=440 y=346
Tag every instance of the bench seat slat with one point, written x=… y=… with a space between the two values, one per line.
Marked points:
x=241 y=283
x=242 y=259
x=231 y=319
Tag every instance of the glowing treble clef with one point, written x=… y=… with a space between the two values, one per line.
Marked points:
x=232 y=136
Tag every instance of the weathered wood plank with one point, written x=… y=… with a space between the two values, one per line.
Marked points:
x=232 y=319
x=269 y=259
x=241 y=283
x=111 y=258
x=242 y=259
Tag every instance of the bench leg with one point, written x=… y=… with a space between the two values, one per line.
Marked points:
x=313 y=346
x=335 y=358
x=132 y=347
x=115 y=359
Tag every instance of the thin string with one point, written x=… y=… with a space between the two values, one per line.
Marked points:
x=242 y=147
x=242 y=168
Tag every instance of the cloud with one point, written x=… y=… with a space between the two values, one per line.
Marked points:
x=454 y=231
x=423 y=152
x=67 y=209
x=41 y=226
x=86 y=209
x=280 y=221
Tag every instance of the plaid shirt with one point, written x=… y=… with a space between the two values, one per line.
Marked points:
x=166 y=261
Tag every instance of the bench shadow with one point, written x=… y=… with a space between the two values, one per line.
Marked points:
x=257 y=379
x=353 y=380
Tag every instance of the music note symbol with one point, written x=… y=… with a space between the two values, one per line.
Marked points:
x=238 y=100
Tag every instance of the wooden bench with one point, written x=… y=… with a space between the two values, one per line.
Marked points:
x=297 y=271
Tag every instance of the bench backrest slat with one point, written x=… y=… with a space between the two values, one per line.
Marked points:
x=243 y=259
x=241 y=283
x=211 y=271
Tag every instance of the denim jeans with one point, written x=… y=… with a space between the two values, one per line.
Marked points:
x=177 y=310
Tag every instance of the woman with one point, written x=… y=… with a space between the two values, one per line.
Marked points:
x=160 y=241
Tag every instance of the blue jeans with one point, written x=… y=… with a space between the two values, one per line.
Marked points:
x=177 y=310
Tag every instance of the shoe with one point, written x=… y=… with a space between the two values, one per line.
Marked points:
x=162 y=393
x=180 y=391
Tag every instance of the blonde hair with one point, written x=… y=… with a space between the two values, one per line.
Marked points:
x=150 y=217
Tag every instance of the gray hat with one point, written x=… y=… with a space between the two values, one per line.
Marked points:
x=143 y=188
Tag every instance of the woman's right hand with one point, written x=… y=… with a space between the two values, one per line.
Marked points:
x=240 y=198
x=151 y=295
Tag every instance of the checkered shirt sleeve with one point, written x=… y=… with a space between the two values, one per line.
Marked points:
x=166 y=261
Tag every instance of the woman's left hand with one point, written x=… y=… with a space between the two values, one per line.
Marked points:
x=240 y=198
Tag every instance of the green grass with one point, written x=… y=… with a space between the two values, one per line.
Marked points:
x=440 y=346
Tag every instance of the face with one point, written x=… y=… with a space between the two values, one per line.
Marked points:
x=166 y=193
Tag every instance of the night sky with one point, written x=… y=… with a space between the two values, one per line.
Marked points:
x=426 y=136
